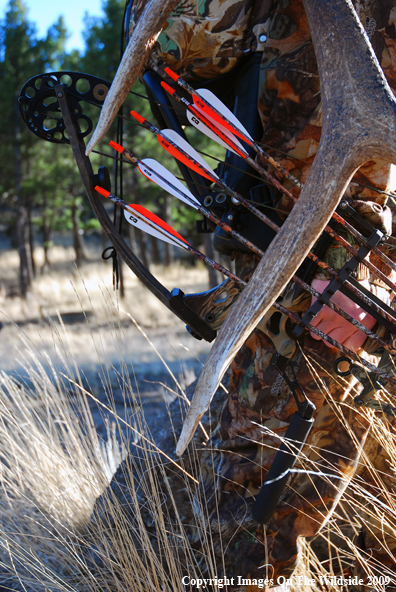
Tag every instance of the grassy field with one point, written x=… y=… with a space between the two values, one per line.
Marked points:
x=81 y=383
x=83 y=377
x=89 y=307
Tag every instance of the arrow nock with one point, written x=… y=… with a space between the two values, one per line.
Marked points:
x=172 y=74
x=102 y=191
x=124 y=152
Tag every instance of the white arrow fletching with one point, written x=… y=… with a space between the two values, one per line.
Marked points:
x=162 y=177
x=202 y=127
x=188 y=149
x=213 y=101
x=136 y=220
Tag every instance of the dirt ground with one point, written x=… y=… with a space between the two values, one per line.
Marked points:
x=73 y=318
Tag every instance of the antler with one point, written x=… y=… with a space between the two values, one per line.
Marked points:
x=359 y=124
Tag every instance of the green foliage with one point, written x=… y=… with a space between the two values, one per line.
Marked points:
x=49 y=179
x=103 y=41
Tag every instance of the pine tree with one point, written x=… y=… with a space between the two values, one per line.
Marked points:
x=22 y=56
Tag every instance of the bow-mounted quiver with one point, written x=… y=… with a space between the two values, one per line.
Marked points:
x=239 y=91
x=302 y=420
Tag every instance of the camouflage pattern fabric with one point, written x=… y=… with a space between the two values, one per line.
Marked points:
x=290 y=107
x=242 y=447
x=204 y=41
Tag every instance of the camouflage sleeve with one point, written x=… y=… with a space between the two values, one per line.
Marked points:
x=204 y=40
x=290 y=108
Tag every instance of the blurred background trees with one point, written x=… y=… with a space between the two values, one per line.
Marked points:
x=40 y=189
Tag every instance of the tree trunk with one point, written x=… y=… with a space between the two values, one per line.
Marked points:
x=209 y=251
x=78 y=242
x=155 y=254
x=144 y=254
x=45 y=233
x=25 y=263
x=46 y=263
x=31 y=237
x=133 y=243
x=48 y=228
x=169 y=250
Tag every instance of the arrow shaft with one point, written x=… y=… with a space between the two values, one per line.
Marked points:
x=219 y=133
x=208 y=174
x=188 y=159
x=260 y=253
x=148 y=222
x=231 y=127
x=198 y=254
x=267 y=220
x=236 y=131
x=211 y=263
x=203 y=210
x=361 y=238
x=210 y=216
x=335 y=343
x=253 y=163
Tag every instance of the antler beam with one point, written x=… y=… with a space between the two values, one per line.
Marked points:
x=359 y=124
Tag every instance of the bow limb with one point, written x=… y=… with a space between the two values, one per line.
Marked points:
x=359 y=124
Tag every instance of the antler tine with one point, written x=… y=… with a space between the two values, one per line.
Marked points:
x=146 y=32
x=359 y=123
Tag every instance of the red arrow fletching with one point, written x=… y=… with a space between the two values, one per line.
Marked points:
x=153 y=218
x=218 y=132
x=208 y=111
x=177 y=154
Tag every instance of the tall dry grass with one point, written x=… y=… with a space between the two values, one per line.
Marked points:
x=53 y=465
x=53 y=468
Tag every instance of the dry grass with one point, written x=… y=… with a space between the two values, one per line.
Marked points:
x=53 y=467
x=57 y=288
x=52 y=464
x=81 y=297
